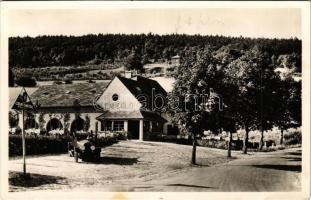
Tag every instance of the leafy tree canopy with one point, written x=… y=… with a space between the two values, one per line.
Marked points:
x=26 y=81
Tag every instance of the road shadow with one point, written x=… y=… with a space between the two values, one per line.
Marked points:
x=292 y=158
x=59 y=160
x=143 y=187
x=193 y=186
x=205 y=162
x=294 y=153
x=117 y=160
x=34 y=180
x=293 y=168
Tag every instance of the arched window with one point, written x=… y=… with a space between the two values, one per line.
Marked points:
x=54 y=124
x=77 y=125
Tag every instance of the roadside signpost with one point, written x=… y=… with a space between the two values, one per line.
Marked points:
x=24 y=100
x=23 y=104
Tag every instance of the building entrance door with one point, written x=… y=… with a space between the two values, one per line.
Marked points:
x=133 y=129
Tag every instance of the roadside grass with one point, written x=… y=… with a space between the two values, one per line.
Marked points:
x=18 y=179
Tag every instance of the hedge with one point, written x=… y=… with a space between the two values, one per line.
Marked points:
x=292 y=136
x=36 y=145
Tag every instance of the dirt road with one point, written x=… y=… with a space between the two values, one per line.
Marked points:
x=278 y=171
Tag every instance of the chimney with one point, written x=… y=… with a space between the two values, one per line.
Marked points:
x=128 y=74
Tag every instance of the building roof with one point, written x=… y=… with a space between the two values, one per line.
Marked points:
x=152 y=116
x=143 y=86
x=175 y=57
x=64 y=95
x=135 y=114
x=166 y=83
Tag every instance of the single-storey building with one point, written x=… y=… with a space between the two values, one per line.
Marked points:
x=160 y=69
x=125 y=104
x=175 y=60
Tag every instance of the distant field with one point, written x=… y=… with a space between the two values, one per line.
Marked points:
x=40 y=83
x=46 y=75
x=84 y=72
x=107 y=71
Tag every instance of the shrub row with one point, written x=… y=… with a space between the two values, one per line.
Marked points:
x=36 y=145
x=292 y=137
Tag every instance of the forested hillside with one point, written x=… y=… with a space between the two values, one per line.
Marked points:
x=44 y=51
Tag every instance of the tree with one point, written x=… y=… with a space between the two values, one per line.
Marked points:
x=41 y=122
x=87 y=123
x=133 y=61
x=77 y=109
x=267 y=86
x=13 y=119
x=288 y=65
x=43 y=51
x=246 y=75
x=66 y=123
x=288 y=96
x=26 y=81
x=11 y=78
x=195 y=77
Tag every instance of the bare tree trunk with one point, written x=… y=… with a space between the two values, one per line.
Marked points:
x=282 y=136
x=194 y=148
x=245 y=141
x=261 y=143
x=229 y=144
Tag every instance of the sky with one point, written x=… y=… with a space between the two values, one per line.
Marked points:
x=247 y=22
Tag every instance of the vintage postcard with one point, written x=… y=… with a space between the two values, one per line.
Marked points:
x=155 y=100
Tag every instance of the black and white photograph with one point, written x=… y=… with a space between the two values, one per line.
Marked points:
x=134 y=98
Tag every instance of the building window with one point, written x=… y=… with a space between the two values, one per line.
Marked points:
x=115 y=97
x=109 y=125
x=118 y=125
x=106 y=125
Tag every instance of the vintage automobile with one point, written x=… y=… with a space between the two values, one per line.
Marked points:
x=85 y=149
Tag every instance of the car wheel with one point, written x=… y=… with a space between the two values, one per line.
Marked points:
x=76 y=156
x=97 y=157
